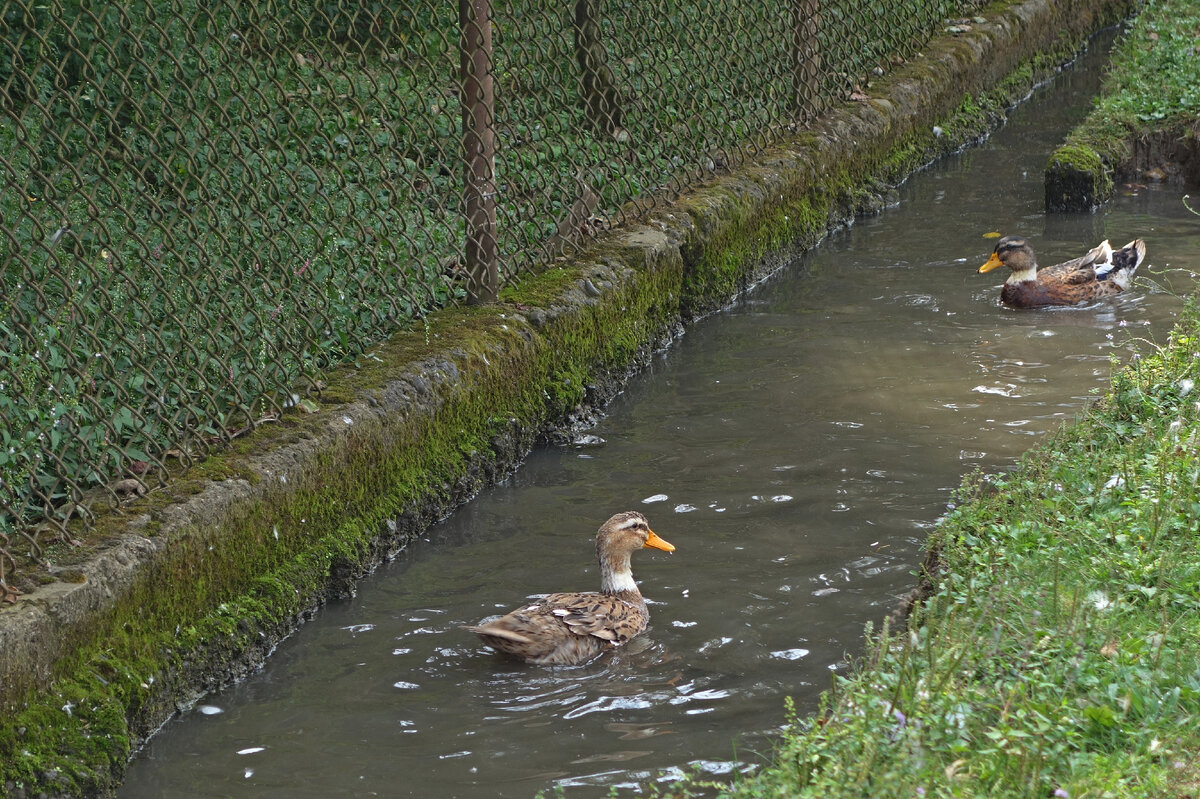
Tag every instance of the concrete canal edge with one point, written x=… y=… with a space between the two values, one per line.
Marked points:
x=191 y=587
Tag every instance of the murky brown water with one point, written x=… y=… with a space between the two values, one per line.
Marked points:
x=796 y=449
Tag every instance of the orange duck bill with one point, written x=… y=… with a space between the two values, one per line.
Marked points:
x=991 y=264
x=654 y=542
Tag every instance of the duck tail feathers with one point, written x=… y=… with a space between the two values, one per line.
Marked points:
x=1119 y=265
x=1137 y=251
x=496 y=631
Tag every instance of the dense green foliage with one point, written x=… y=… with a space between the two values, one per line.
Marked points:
x=206 y=206
x=1156 y=71
x=201 y=216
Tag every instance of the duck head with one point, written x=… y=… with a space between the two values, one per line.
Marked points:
x=1015 y=253
x=616 y=540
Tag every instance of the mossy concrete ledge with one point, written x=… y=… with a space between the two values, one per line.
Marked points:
x=1083 y=173
x=1145 y=126
x=191 y=586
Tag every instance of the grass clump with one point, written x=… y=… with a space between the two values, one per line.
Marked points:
x=1059 y=653
x=1156 y=71
x=1153 y=88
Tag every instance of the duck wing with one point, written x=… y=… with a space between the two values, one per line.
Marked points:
x=1072 y=273
x=1123 y=263
x=609 y=617
x=1087 y=268
x=565 y=629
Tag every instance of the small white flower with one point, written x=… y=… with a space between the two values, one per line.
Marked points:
x=1185 y=386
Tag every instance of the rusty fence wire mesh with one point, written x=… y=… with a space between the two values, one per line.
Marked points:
x=203 y=205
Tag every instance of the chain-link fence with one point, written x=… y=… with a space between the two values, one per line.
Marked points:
x=205 y=204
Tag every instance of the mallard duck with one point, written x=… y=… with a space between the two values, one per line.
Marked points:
x=1101 y=272
x=568 y=629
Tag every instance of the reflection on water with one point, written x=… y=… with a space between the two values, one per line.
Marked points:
x=796 y=449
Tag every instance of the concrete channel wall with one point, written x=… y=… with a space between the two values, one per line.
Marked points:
x=191 y=587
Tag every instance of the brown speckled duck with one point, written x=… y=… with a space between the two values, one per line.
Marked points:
x=568 y=629
x=1101 y=272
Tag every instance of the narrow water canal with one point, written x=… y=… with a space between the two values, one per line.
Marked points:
x=796 y=449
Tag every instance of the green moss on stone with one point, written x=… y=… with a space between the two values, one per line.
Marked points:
x=1077 y=179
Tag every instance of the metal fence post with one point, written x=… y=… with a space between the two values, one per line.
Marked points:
x=806 y=58
x=601 y=100
x=479 y=149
